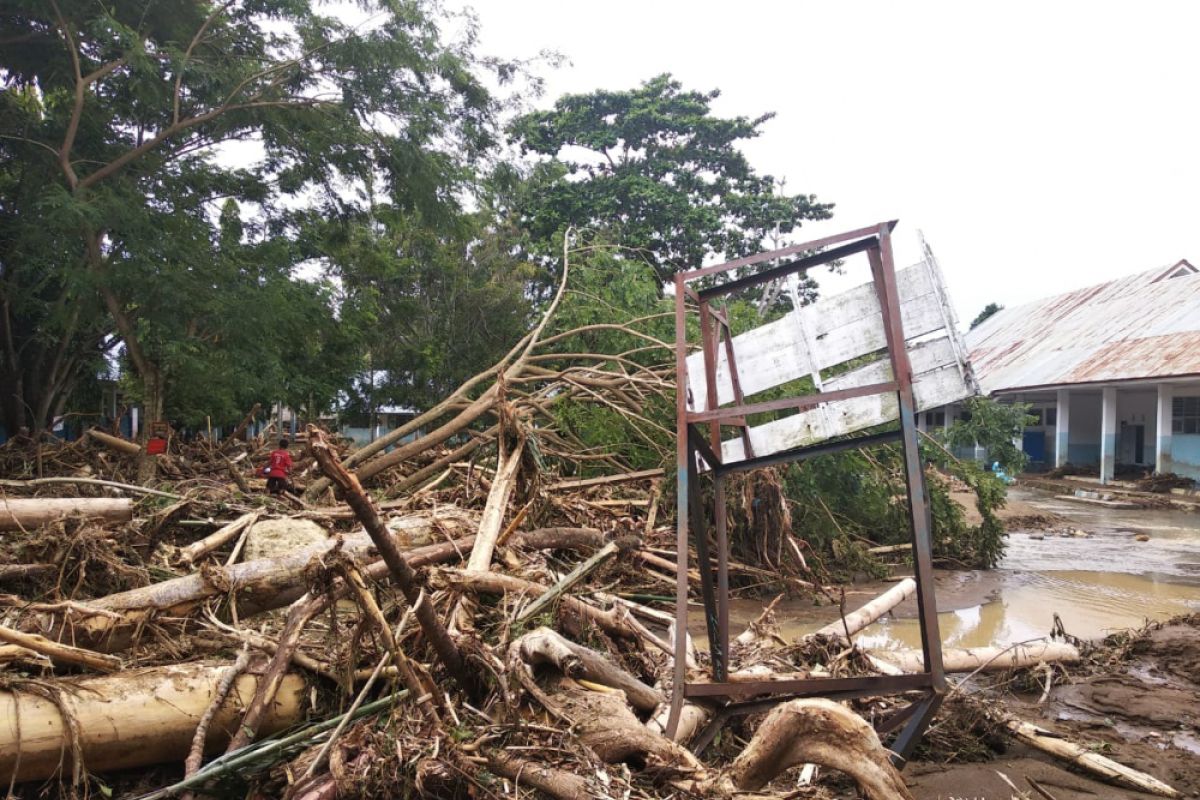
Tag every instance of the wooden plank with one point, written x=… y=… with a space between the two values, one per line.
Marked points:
x=937 y=381
x=841 y=327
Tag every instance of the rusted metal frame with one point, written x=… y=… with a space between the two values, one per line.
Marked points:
x=704 y=565
x=898 y=718
x=785 y=251
x=808 y=687
x=736 y=381
x=802 y=453
x=907 y=740
x=799 y=265
x=708 y=336
x=883 y=270
x=719 y=644
x=785 y=403
x=722 y=530
x=698 y=444
x=683 y=455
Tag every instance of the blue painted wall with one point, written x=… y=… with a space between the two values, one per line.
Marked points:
x=1081 y=453
x=1185 y=455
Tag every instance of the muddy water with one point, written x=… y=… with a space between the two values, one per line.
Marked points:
x=1096 y=585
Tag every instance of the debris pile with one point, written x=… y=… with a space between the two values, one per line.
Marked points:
x=438 y=619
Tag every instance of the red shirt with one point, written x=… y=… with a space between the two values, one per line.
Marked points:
x=280 y=465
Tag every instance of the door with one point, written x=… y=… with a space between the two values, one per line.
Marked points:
x=1034 y=445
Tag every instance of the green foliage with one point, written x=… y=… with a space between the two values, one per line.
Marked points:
x=657 y=170
x=995 y=427
x=988 y=311
x=613 y=307
x=112 y=207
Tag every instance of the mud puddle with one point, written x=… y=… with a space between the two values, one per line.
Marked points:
x=1098 y=579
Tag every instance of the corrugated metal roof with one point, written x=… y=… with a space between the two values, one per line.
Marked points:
x=1142 y=326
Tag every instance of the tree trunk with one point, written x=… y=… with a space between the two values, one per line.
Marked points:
x=129 y=719
x=152 y=411
x=33 y=512
x=259 y=585
x=822 y=732
x=985 y=658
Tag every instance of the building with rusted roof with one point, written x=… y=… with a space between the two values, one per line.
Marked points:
x=1112 y=372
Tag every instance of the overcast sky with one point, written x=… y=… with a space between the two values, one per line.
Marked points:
x=1039 y=146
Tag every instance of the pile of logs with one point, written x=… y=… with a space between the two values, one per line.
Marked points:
x=484 y=623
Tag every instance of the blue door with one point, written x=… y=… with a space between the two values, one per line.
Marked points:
x=1034 y=445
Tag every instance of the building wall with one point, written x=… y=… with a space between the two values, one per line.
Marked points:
x=1137 y=408
x=1083 y=442
x=1185 y=455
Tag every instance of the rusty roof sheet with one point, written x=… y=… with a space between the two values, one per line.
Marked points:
x=1143 y=326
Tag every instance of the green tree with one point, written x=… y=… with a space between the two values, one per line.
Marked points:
x=115 y=114
x=659 y=171
x=996 y=427
x=988 y=311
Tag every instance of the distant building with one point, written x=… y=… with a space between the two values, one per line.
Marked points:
x=1112 y=372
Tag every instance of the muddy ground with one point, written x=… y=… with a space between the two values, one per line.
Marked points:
x=1136 y=700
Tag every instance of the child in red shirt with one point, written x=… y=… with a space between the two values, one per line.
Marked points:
x=278 y=468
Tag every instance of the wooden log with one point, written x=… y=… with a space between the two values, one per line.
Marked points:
x=985 y=659
x=857 y=620
x=545 y=646
x=60 y=653
x=411 y=587
x=818 y=731
x=493 y=512
x=568 y=581
x=606 y=479
x=129 y=719
x=196 y=550
x=615 y=622
x=240 y=430
x=557 y=783
x=125 y=487
x=1096 y=764
x=32 y=512
x=14 y=572
x=258 y=585
x=115 y=442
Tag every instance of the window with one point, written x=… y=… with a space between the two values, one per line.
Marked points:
x=1185 y=415
x=1052 y=417
x=1036 y=413
x=935 y=419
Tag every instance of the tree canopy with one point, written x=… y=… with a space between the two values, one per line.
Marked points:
x=986 y=313
x=658 y=170
x=124 y=129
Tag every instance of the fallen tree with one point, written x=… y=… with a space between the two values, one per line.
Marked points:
x=128 y=719
x=24 y=513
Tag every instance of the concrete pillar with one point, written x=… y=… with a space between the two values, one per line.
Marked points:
x=1062 y=429
x=1162 y=453
x=1108 y=433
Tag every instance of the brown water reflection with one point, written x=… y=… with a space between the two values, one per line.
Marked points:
x=1096 y=585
